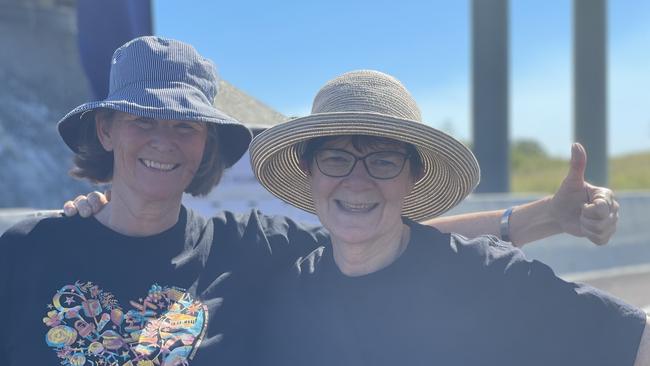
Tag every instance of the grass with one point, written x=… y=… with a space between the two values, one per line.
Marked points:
x=630 y=172
x=534 y=171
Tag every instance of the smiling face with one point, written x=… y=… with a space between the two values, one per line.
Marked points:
x=153 y=159
x=358 y=208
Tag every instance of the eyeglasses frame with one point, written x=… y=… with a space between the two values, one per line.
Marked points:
x=406 y=156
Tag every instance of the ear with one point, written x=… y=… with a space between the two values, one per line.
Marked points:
x=103 y=130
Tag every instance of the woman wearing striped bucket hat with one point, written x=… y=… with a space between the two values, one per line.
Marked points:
x=132 y=286
x=389 y=291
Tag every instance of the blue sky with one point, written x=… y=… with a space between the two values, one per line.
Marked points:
x=282 y=52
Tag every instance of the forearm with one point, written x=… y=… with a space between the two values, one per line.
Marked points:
x=528 y=222
x=470 y=224
x=532 y=221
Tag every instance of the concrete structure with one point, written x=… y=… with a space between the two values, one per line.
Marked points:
x=42 y=79
x=245 y=108
x=490 y=93
x=590 y=84
x=490 y=89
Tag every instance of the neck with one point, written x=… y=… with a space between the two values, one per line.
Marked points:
x=359 y=259
x=131 y=215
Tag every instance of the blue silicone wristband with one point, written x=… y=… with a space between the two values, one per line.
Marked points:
x=504 y=225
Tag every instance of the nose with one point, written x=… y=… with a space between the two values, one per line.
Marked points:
x=359 y=177
x=162 y=139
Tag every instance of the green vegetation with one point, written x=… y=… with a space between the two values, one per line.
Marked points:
x=534 y=171
x=630 y=172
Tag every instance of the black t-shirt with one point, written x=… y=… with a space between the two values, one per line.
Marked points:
x=446 y=300
x=77 y=293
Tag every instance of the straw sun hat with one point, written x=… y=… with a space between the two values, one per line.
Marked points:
x=375 y=104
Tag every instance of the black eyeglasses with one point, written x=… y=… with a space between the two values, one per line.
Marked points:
x=338 y=163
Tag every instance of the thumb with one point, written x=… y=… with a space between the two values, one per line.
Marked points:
x=578 y=163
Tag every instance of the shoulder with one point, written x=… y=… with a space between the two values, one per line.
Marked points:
x=482 y=248
x=487 y=249
x=456 y=255
x=37 y=226
x=36 y=235
x=504 y=263
x=196 y=224
x=194 y=218
x=482 y=258
x=274 y=240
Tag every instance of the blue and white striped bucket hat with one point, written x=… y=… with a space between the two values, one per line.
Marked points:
x=163 y=79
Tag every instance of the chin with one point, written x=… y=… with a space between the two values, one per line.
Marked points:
x=353 y=235
x=161 y=194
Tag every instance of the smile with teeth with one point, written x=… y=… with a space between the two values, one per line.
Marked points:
x=158 y=165
x=356 y=207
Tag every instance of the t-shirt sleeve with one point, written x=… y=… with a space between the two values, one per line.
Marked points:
x=284 y=239
x=578 y=323
x=255 y=245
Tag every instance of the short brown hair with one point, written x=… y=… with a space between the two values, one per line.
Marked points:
x=363 y=142
x=94 y=163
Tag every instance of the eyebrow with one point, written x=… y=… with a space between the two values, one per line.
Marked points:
x=368 y=147
x=144 y=119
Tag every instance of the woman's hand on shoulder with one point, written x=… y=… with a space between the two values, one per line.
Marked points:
x=87 y=205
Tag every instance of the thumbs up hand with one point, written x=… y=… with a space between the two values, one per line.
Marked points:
x=582 y=209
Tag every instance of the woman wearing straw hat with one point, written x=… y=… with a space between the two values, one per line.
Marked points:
x=154 y=81
x=389 y=291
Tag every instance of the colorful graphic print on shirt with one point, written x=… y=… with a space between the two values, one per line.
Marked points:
x=89 y=327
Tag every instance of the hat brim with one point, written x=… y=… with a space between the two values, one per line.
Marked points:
x=155 y=101
x=451 y=171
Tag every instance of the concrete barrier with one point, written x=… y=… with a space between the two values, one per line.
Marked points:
x=629 y=246
x=566 y=254
x=622 y=267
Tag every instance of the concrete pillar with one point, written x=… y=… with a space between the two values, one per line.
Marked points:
x=41 y=80
x=590 y=84
x=490 y=93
